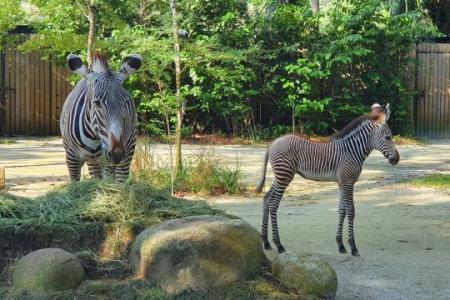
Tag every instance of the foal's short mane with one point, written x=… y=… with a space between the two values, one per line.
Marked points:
x=100 y=63
x=351 y=126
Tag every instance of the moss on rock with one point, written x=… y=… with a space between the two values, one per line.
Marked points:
x=49 y=269
x=305 y=274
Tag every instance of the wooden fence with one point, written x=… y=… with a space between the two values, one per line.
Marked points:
x=432 y=105
x=32 y=92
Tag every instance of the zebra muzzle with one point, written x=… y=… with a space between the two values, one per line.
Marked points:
x=393 y=160
x=116 y=155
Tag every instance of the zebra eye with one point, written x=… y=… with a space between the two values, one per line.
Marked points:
x=388 y=137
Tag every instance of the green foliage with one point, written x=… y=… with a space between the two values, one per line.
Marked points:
x=11 y=14
x=361 y=56
x=239 y=57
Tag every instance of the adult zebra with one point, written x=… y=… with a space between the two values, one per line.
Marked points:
x=340 y=159
x=99 y=117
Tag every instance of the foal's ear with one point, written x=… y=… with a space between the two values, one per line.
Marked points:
x=387 y=113
x=130 y=64
x=76 y=65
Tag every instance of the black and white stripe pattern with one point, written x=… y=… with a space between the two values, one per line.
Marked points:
x=340 y=160
x=99 y=118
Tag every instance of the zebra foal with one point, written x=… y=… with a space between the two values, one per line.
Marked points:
x=99 y=118
x=340 y=159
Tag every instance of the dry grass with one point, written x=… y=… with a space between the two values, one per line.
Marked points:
x=99 y=201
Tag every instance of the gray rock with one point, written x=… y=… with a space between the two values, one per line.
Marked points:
x=197 y=253
x=49 y=269
x=306 y=274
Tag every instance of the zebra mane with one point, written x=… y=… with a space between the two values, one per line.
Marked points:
x=100 y=63
x=352 y=126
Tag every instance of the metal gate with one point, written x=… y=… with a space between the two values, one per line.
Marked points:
x=32 y=92
x=432 y=118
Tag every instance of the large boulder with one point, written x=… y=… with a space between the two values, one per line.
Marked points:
x=306 y=274
x=50 y=269
x=197 y=253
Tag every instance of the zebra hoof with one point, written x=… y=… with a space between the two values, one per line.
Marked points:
x=342 y=249
x=281 y=249
x=267 y=246
x=355 y=253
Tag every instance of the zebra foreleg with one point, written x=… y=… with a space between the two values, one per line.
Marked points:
x=95 y=169
x=342 y=213
x=275 y=199
x=122 y=171
x=350 y=208
x=108 y=172
x=265 y=220
x=74 y=166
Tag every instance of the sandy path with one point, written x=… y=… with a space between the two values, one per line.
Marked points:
x=403 y=233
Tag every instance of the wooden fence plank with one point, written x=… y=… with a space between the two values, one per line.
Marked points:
x=2 y=94
x=47 y=98
x=423 y=64
x=31 y=68
x=428 y=105
x=14 y=80
x=444 y=98
x=7 y=93
x=22 y=94
x=52 y=101
x=41 y=97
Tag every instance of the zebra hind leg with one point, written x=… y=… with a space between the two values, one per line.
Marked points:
x=265 y=220
x=342 y=213
x=275 y=199
x=351 y=237
x=350 y=209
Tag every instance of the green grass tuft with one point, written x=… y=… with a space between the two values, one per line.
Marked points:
x=5 y=141
x=438 y=181
x=99 y=201
x=203 y=173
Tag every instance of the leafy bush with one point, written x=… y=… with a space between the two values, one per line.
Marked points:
x=361 y=56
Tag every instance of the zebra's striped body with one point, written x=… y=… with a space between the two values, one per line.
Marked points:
x=99 y=118
x=340 y=160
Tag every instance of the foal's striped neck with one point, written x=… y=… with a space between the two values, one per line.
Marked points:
x=356 y=137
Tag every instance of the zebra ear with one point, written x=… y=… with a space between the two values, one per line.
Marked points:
x=130 y=64
x=387 y=113
x=75 y=65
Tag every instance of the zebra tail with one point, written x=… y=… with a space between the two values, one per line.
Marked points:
x=261 y=182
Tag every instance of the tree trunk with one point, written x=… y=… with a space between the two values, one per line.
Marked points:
x=314 y=5
x=91 y=37
x=293 y=118
x=180 y=105
x=166 y=119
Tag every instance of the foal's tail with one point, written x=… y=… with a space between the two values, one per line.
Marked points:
x=261 y=182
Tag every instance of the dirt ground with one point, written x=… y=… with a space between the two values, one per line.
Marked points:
x=403 y=233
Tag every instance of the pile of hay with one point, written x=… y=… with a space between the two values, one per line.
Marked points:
x=99 y=201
